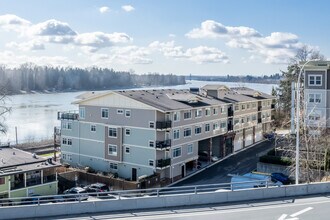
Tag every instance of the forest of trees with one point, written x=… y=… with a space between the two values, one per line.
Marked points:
x=29 y=77
x=273 y=79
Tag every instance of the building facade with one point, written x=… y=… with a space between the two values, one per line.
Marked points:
x=137 y=133
x=317 y=93
x=24 y=174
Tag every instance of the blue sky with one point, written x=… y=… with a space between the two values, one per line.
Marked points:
x=209 y=37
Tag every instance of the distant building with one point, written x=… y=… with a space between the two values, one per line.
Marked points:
x=317 y=93
x=139 y=133
x=24 y=174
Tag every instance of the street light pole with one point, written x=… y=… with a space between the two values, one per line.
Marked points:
x=298 y=120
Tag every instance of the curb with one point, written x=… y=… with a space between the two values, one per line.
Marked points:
x=212 y=164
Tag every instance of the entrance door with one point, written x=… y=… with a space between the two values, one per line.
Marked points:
x=182 y=170
x=134 y=177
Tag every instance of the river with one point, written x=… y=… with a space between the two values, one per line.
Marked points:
x=35 y=115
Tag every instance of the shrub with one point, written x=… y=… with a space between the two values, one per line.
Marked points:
x=285 y=161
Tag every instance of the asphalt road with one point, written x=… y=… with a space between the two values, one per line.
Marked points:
x=239 y=163
x=300 y=208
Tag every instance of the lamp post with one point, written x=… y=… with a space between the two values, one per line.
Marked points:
x=298 y=119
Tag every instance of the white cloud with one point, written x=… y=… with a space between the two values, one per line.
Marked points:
x=52 y=28
x=96 y=40
x=12 y=22
x=32 y=45
x=128 y=8
x=201 y=54
x=277 y=48
x=11 y=59
x=104 y=9
x=172 y=35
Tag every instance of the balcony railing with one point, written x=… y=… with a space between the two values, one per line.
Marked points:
x=67 y=115
x=259 y=108
x=273 y=106
x=163 y=163
x=163 y=124
x=163 y=144
x=259 y=120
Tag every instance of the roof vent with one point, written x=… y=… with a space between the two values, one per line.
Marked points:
x=34 y=156
x=14 y=153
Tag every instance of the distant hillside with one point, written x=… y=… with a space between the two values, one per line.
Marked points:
x=272 y=79
x=30 y=77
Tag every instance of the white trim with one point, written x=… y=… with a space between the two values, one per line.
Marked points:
x=90 y=128
x=109 y=132
x=84 y=139
x=314 y=75
x=29 y=187
x=113 y=145
x=116 y=126
x=185 y=161
x=190 y=132
x=153 y=162
x=120 y=113
x=153 y=123
x=129 y=149
x=127 y=129
x=128 y=110
x=172 y=150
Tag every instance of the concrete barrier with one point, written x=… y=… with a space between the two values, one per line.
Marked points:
x=202 y=198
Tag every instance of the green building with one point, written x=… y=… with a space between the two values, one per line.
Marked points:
x=24 y=174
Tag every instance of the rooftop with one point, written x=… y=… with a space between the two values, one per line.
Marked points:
x=13 y=160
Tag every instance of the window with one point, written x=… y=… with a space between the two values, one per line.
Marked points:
x=177 y=152
x=2 y=180
x=112 y=150
x=128 y=113
x=198 y=113
x=315 y=80
x=207 y=112
x=176 y=134
x=315 y=98
x=223 y=125
x=215 y=126
x=113 y=166
x=187 y=115
x=127 y=132
x=67 y=125
x=104 y=113
x=69 y=141
x=247 y=106
x=151 y=163
x=236 y=108
x=222 y=110
x=314 y=117
x=151 y=144
x=254 y=117
x=120 y=111
x=93 y=128
x=127 y=150
x=198 y=129
x=207 y=127
x=64 y=156
x=190 y=148
x=82 y=112
x=243 y=107
x=236 y=121
x=215 y=111
x=113 y=132
x=248 y=119
x=151 y=124
x=254 y=105
x=176 y=116
x=187 y=132
x=64 y=141
x=242 y=120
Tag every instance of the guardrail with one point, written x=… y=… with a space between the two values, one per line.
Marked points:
x=154 y=198
x=120 y=194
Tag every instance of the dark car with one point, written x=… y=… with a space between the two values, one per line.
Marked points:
x=76 y=193
x=203 y=156
x=97 y=188
x=281 y=178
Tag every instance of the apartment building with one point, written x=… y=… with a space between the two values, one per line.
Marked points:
x=138 y=133
x=317 y=93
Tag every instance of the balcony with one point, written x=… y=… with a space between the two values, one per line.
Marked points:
x=163 y=144
x=259 y=120
x=67 y=115
x=163 y=125
x=163 y=163
x=273 y=106
x=230 y=113
x=259 y=108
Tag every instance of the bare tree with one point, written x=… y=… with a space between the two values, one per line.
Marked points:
x=4 y=109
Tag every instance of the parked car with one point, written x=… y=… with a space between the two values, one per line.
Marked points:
x=97 y=188
x=281 y=178
x=76 y=193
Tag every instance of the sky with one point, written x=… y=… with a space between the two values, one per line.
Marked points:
x=205 y=37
